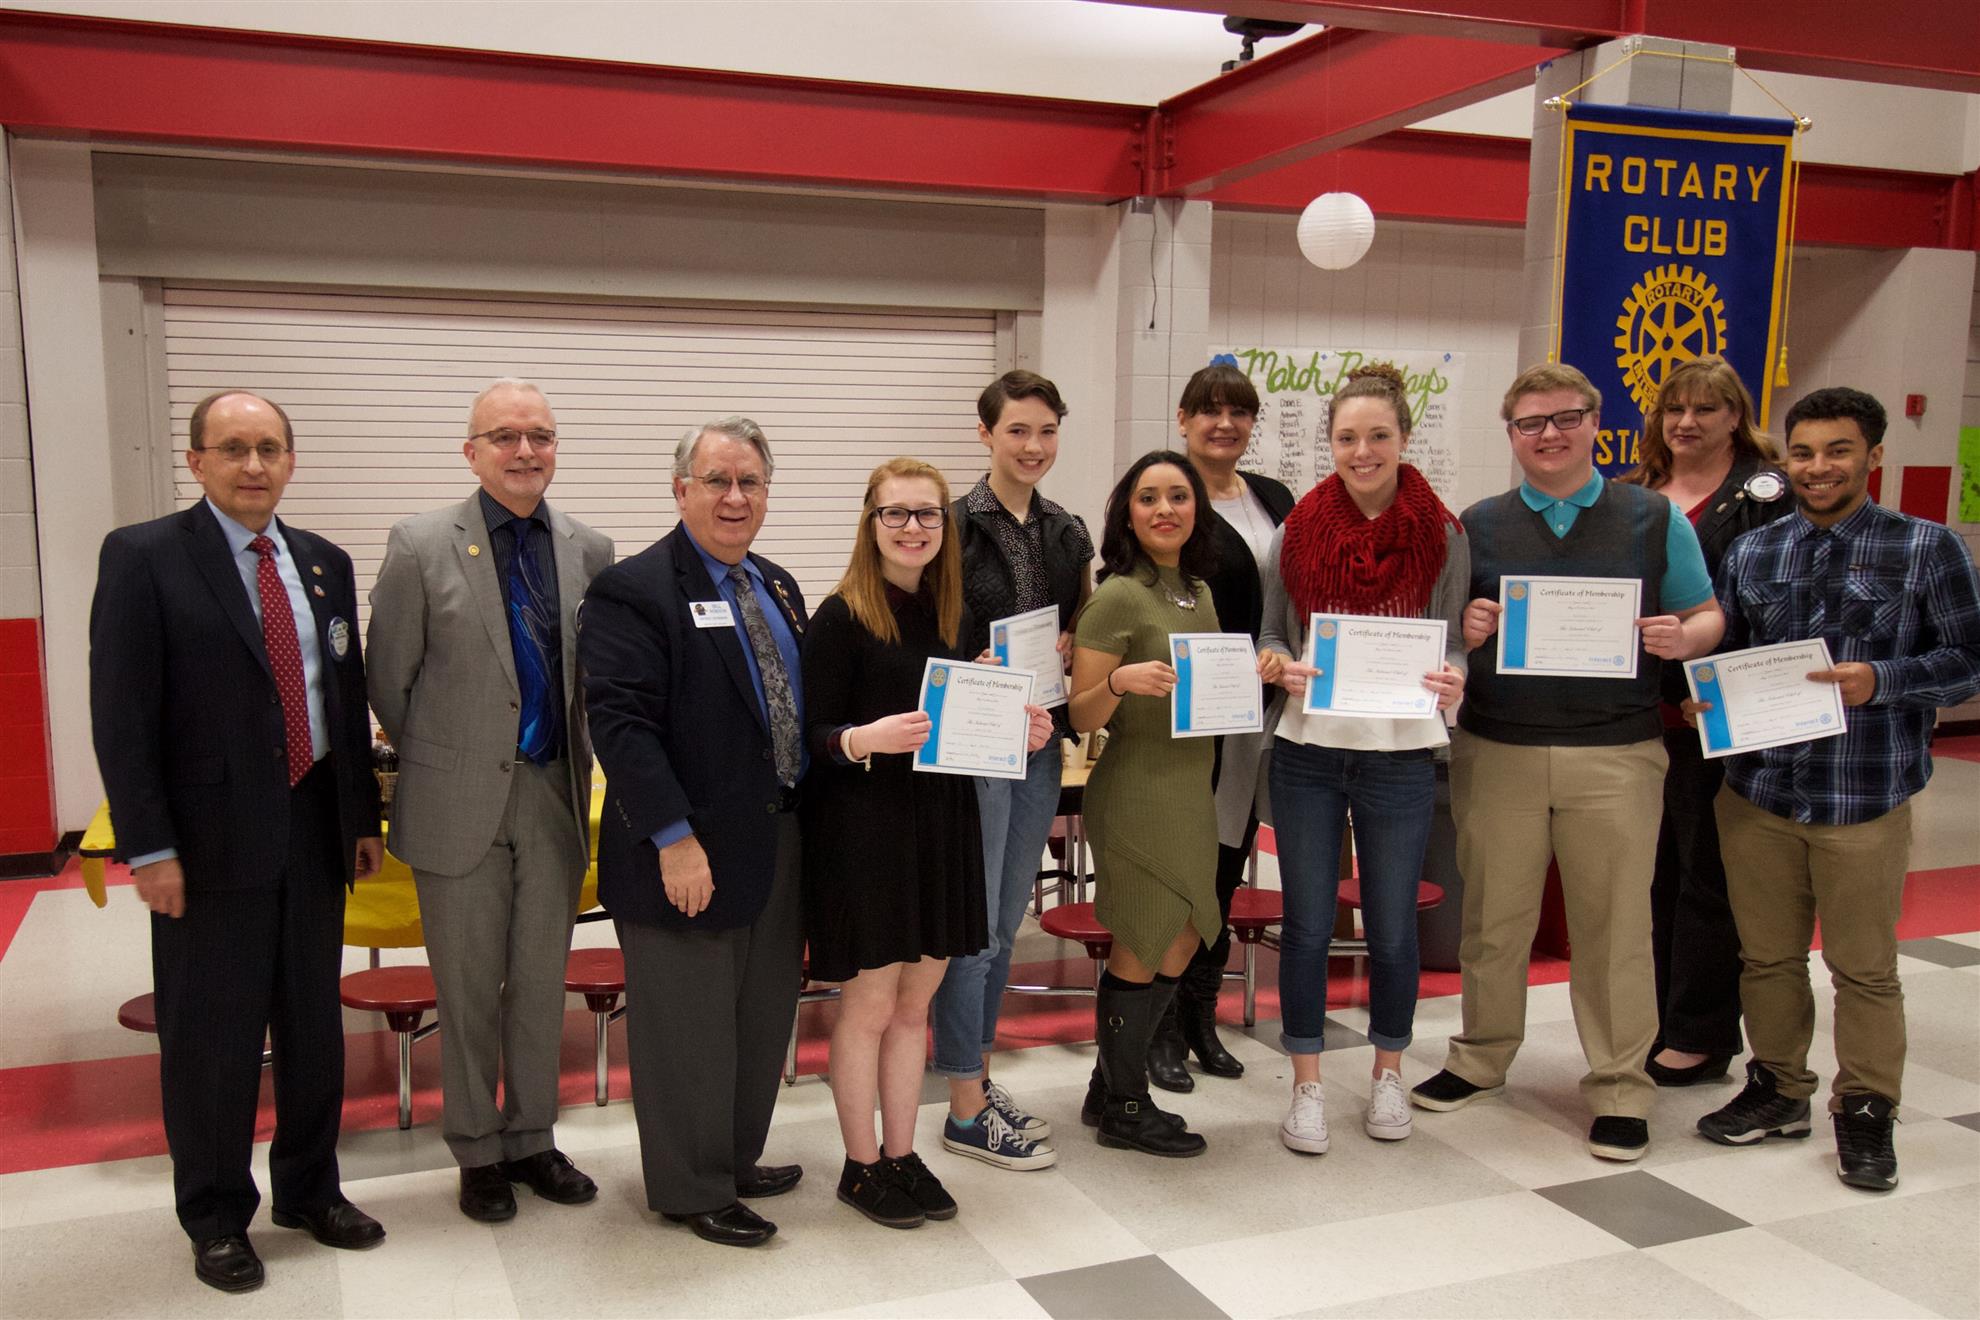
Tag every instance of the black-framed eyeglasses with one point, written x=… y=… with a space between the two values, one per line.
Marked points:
x=235 y=452
x=1565 y=420
x=896 y=515
x=508 y=438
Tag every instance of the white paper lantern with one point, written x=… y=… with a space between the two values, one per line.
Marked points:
x=1335 y=230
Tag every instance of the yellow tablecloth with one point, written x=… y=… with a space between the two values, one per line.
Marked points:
x=381 y=913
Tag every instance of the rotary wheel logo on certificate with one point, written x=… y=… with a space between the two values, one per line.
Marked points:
x=1673 y=314
x=937 y=677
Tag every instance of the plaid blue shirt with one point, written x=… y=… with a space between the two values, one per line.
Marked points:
x=1895 y=592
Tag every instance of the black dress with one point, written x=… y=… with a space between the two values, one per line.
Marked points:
x=893 y=859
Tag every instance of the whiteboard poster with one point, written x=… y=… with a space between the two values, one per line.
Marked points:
x=1295 y=386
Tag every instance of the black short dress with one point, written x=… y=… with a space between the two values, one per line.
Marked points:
x=893 y=859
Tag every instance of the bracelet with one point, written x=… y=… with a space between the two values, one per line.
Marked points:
x=1110 y=685
x=845 y=745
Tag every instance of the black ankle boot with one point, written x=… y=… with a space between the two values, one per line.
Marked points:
x=1166 y=1053
x=1124 y=1022
x=1196 y=1005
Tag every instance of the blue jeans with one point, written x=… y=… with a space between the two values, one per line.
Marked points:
x=1017 y=819
x=1391 y=796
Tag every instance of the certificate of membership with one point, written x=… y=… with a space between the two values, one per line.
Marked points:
x=1763 y=697
x=1372 y=666
x=977 y=722
x=1569 y=627
x=1217 y=689
x=1031 y=641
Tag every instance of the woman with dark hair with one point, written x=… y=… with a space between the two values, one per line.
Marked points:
x=1372 y=539
x=1701 y=452
x=1148 y=807
x=1218 y=409
x=893 y=864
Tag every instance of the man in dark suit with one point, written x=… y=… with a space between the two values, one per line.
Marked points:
x=689 y=652
x=228 y=710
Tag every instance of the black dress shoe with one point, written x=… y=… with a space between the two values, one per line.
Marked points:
x=339 y=1224
x=227 y=1263
x=1709 y=1069
x=485 y=1194
x=734 y=1225
x=769 y=1180
x=552 y=1176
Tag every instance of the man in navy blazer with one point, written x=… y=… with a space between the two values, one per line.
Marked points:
x=689 y=652
x=228 y=710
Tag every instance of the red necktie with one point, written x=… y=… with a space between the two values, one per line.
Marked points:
x=278 y=634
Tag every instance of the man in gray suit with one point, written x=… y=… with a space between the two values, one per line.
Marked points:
x=473 y=675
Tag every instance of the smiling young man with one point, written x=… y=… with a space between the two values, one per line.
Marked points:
x=1822 y=830
x=1566 y=768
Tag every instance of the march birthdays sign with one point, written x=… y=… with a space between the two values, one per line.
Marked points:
x=1676 y=245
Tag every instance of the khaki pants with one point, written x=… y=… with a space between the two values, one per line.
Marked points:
x=1781 y=877
x=1597 y=810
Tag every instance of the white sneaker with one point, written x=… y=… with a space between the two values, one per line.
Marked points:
x=1029 y=1126
x=1388 y=1108
x=1305 y=1128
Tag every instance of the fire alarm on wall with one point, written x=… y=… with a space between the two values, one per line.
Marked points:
x=1914 y=405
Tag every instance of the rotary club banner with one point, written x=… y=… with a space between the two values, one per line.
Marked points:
x=1675 y=239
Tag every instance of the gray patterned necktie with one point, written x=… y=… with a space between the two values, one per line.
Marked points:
x=776 y=679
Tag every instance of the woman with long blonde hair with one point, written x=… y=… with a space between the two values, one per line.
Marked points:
x=893 y=860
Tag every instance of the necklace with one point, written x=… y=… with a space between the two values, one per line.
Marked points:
x=1180 y=602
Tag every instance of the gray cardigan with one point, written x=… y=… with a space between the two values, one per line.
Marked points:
x=1284 y=630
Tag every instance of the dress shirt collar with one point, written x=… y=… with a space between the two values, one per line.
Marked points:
x=496 y=514
x=1848 y=529
x=719 y=571
x=1539 y=501
x=239 y=537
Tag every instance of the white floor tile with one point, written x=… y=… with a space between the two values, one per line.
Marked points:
x=1780 y=1281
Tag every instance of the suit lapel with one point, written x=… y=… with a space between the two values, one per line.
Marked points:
x=474 y=549
x=570 y=592
x=215 y=561
x=697 y=585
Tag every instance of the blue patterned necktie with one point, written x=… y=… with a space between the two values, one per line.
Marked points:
x=778 y=699
x=533 y=636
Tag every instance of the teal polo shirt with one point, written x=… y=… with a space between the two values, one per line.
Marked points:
x=1687 y=582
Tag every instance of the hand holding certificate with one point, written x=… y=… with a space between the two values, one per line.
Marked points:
x=1372 y=666
x=978 y=721
x=1764 y=697
x=1031 y=641
x=1217 y=689
x=1569 y=627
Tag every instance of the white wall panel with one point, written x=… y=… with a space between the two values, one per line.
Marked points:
x=379 y=386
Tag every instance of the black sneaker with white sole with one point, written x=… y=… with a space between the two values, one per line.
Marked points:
x=1759 y=1111
x=1617 y=1137
x=1865 y=1156
x=1447 y=1090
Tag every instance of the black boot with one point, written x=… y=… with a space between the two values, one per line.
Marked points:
x=1166 y=1053
x=1196 y=1005
x=1124 y=1021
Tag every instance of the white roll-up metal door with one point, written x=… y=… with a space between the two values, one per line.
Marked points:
x=378 y=387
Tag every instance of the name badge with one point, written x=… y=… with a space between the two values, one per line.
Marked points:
x=712 y=614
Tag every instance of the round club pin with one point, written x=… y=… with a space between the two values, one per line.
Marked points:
x=340 y=638
x=317 y=590
x=1766 y=487
x=316 y=569
x=474 y=550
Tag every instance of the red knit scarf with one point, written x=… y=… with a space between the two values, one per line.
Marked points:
x=1337 y=560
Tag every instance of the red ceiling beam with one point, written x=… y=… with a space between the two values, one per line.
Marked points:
x=1481 y=180
x=1327 y=92
x=124 y=81
x=1918 y=43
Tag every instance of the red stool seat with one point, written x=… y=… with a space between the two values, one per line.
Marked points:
x=402 y=994
x=140 y=1014
x=1252 y=910
x=1427 y=894
x=1075 y=921
x=597 y=974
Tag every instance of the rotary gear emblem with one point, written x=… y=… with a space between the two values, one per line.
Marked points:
x=1672 y=315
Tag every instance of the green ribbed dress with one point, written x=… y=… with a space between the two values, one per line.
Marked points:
x=1148 y=808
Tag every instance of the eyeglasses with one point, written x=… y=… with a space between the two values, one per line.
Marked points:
x=895 y=515
x=235 y=452
x=719 y=485
x=505 y=438
x=1565 y=420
